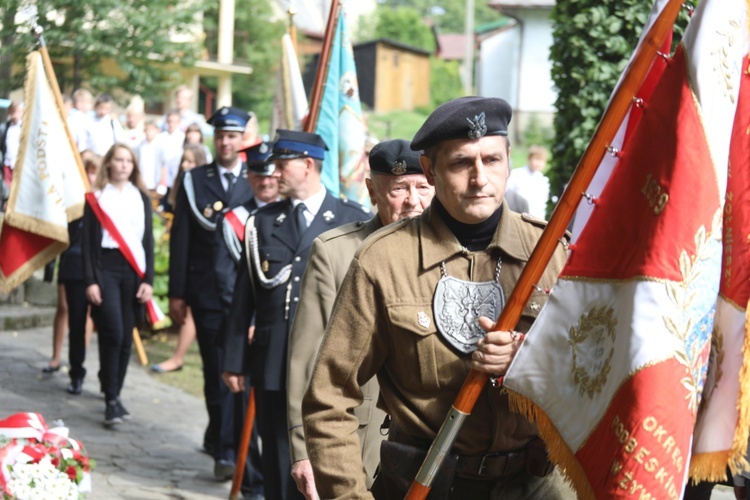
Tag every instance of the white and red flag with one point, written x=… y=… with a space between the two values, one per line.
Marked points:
x=290 y=102
x=48 y=185
x=613 y=370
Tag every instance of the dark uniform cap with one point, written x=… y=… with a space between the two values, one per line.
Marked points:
x=293 y=144
x=464 y=118
x=258 y=158
x=395 y=158
x=229 y=118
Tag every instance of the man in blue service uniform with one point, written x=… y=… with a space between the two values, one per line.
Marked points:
x=277 y=244
x=204 y=193
x=228 y=249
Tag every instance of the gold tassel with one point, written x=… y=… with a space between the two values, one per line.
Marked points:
x=559 y=452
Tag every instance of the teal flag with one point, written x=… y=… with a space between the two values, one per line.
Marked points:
x=340 y=122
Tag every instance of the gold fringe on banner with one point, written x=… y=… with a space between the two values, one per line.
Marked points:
x=559 y=453
x=737 y=459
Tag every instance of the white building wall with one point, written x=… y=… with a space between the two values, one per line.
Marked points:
x=498 y=66
x=536 y=91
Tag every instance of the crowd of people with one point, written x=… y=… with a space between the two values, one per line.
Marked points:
x=355 y=330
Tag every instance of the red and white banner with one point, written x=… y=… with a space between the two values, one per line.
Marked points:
x=154 y=313
x=48 y=182
x=723 y=425
x=614 y=369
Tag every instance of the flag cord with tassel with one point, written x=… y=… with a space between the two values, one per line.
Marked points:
x=598 y=147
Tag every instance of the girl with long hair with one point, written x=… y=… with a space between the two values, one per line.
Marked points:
x=117 y=239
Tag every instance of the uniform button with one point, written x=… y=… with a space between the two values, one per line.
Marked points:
x=296 y=278
x=297 y=259
x=296 y=299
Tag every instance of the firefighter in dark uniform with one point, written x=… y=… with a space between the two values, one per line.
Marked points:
x=228 y=249
x=206 y=192
x=278 y=240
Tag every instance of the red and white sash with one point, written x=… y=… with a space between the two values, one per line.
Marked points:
x=154 y=313
x=233 y=230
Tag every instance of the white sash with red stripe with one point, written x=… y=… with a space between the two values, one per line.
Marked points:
x=233 y=230
x=155 y=314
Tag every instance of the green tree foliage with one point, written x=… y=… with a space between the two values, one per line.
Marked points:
x=257 y=42
x=445 y=81
x=449 y=16
x=404 y=24
x=593 y=41
x=149 y=40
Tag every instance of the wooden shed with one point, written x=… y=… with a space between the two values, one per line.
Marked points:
x=391 y=75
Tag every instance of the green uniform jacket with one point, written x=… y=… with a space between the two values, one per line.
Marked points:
x=378 y=327
x=331 y=254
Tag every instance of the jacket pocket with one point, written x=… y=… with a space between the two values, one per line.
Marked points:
x=273 y=259
x=417 y=342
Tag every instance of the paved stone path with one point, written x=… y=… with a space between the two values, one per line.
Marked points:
x=153 y=456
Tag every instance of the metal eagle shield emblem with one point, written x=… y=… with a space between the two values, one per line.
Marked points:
x=458 y=305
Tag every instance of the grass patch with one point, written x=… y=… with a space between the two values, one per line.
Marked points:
x=161 y=346
x=396 y=124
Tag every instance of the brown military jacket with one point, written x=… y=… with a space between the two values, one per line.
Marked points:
x=331 y=254
x=378 y=328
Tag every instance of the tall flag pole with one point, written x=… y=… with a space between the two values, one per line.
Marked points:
x=338 y=117
x=614 y=370
x=290 y=101
x=49 y=181
x=619 y=106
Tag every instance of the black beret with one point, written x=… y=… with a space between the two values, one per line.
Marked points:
x=395 y=158
x=229 y=118
x=293 y=144
x=464 y=118
x=257 y=158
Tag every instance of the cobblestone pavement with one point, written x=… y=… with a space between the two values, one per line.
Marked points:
x=153 y=456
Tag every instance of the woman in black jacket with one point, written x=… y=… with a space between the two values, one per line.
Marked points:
x=113 y=286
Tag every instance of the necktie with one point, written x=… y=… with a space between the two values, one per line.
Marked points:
x=229 y=176
x=299 y=216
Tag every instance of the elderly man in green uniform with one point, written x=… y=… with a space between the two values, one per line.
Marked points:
x=413 y=311
x=399 y=189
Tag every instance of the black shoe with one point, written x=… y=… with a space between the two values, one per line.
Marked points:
x=51 y=369
x=112 y=414
x=75 y=386
x=223 y=469
x=123 y=411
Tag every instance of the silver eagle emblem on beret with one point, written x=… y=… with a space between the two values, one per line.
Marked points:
x=477 y=126
x=263 y=149
x=398 y=167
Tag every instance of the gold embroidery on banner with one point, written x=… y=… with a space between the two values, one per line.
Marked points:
x=589 y=341
x=722 y=64
x=655 y=194
x=682 y=297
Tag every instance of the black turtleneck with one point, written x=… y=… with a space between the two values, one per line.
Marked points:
x=474 y=237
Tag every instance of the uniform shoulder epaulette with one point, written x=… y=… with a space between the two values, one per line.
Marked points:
x=339 y=231
x=384 y=232
x=355 y=205
x=540 y=223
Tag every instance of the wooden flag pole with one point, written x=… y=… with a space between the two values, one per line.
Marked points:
x=320 y=77
x=597 y=148
x=247 y=432
x=47 y=62
x=139 y=347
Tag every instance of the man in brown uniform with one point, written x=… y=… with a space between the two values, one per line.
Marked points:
x=413 y=310
x=399 y=189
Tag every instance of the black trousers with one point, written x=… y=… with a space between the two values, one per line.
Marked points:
x=272 y=424
x=252 y=479
x=75 y=294
x=115 y=319
x=219 y=399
